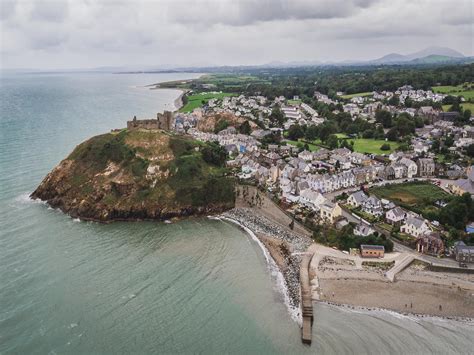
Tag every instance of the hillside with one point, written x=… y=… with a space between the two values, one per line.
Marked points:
x=135 y=175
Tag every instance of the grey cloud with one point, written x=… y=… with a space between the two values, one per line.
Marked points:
x=50 y=11
x=243 y=13
x=7 y=9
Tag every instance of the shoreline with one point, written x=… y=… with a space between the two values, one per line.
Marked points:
x=417 y=290
x=273 y=265
x=418 y=316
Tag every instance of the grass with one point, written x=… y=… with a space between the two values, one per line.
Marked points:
x=372 y=146
x=294 y=102
x=413 y=195
x=361 y=94
x=465 y=106
x=466 y=91
x=195 y=101
x=312 y=147
x=341 y=135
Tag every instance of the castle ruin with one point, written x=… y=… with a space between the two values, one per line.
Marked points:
x=163 y=121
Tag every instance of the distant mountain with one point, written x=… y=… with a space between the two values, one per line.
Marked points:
x=427 y=55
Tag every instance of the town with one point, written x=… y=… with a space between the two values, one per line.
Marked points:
x=380 y=166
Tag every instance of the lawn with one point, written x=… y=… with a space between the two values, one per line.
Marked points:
x=312 y=147
x=195 y=101
x=418 y=195
x=372 y=146
x=361 y=94
x=467 y=91
x=465 y=106
x=294 y=102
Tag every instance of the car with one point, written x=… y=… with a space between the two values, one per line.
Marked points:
x=464 y=265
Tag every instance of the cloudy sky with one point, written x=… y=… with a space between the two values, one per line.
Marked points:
x=91 y=33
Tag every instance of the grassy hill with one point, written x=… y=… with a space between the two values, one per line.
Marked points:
x=137 y=174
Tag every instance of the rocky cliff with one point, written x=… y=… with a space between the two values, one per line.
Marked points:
x=137 y=175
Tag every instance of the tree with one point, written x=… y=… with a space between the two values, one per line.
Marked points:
x=392 y=135
x=277 y=117
x=244 y=128
x=470 y=150
x=332 y=141
x=312 y=133
x=214 y=153
x=220 y=125
x=369 y=133
x=384 y=117
x=295 y=132
x=385 y=146
x=394 y=101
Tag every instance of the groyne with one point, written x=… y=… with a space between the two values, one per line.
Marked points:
x=306 y=299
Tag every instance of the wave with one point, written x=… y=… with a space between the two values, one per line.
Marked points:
x=274 y=269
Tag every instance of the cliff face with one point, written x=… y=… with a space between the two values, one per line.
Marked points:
x=136 y=175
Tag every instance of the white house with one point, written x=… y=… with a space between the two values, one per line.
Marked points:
x=311 y=199
x=357 y=198
x=395 y=215
x=415 y=226
x=372 y=206
x=363 y=230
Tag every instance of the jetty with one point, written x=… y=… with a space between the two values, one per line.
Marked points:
x=306 y=299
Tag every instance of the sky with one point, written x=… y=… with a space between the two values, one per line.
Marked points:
x=64 y=34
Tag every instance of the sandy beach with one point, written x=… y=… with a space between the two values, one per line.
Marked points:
x=416 y=291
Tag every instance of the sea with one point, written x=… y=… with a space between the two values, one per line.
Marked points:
x=195 y=286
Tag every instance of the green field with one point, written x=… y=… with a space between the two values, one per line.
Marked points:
x=341 y=135
x=466 y=91
x=312 y=147
x=294 y=102
x=195 y=101
x=465 y=106
x=419 y=195
x=362 y=94
x=372 y=146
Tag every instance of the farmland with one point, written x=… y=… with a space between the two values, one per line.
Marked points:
x=465 y=106
x=466 y=90
x=416 y=196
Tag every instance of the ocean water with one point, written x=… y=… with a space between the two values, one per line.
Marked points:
x=197 y=286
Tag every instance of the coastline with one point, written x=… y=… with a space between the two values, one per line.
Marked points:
x=273 y=264
x=416 y=291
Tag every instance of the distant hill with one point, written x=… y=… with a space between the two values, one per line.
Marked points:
x=425 y=56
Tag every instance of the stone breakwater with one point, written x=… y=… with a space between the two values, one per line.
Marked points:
x=262 y=226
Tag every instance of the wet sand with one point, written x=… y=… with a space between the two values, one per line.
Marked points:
x=416 y=291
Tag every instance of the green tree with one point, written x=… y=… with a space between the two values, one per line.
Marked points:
x=470 y=150
x=277 y=117
x=244 y=128
x=295 y=132
x=385 y=146
x=332 y=141
x=384 y=117
x=312 y=133
x=214 y=153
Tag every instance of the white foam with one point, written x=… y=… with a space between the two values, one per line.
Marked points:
x=25 y=198
x=76 y=219
x=281 y=286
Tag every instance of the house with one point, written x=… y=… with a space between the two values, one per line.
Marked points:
x=430 y=243
x=372 y=206
x=463 y=253
x=411 y=166
x=426 y=167
x=363 y=230
x=330 y=211
x=462 y=186
x=415 y=226
x=357 y=198
x=306 y=155
x=372 y=251
x=395 y=216
x=311 y=199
